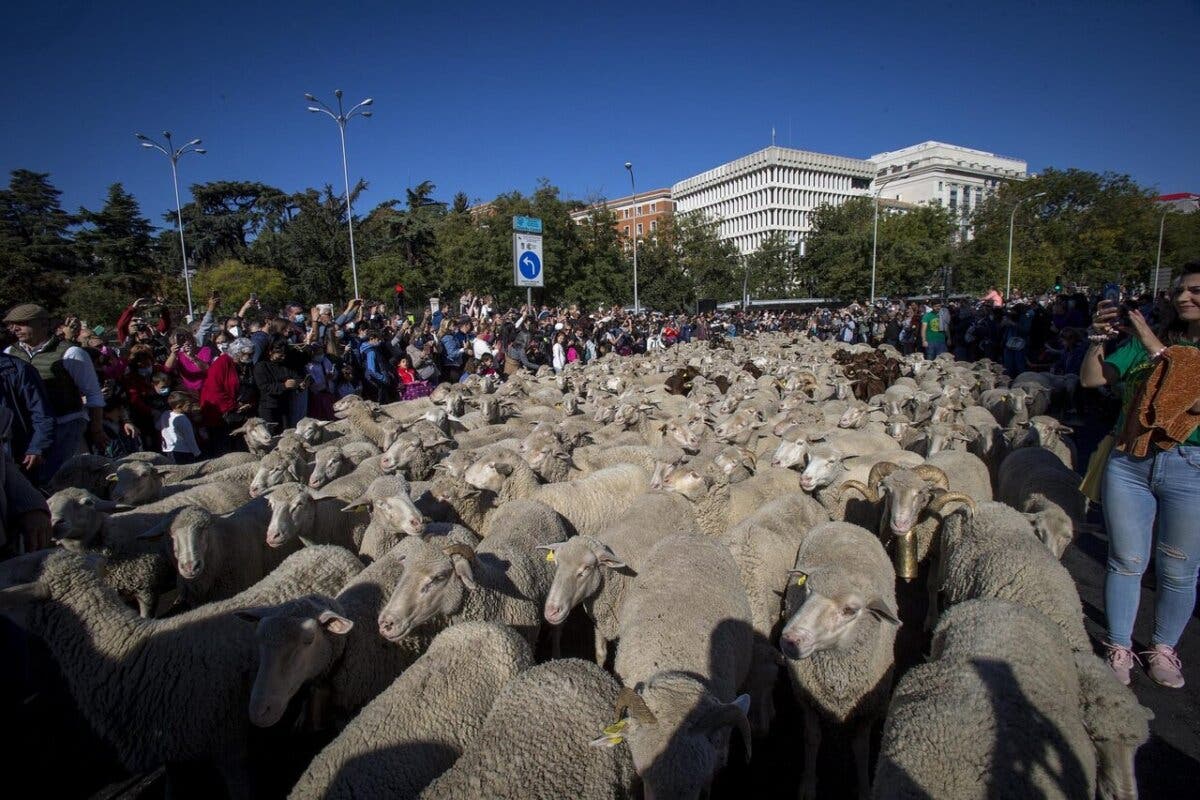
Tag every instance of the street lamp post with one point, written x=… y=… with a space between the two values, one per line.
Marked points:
x=173 y=155
x=633 y=231
x=1158 y=260
x=1011 y=220
x=875 y=236
x=341 y=118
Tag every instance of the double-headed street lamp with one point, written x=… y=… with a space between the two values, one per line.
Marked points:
x=1011 y=220
x=875 y=236
x=633 y=230
x=341 y=118
x=173 y=155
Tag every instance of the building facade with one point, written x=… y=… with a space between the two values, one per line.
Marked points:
x=641 y=213
x=934 y=172
x=779 y=188
x=774 y=189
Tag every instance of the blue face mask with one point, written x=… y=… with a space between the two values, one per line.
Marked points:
x=164 y=390
x=299 y=319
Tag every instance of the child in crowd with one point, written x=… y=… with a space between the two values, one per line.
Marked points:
x=178 y=435
x=123 y=437
x=404 y=372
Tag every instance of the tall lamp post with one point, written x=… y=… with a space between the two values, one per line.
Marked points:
x=341 y=118
x=173 y=155
x=633 y=231
x=1011 y=220
x=875 y=236
x=1158 y=260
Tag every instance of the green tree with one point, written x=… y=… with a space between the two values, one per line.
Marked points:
x=773 y=269
x=116 y=244
x=37 y=253
x=224 y=218
x=235 y=281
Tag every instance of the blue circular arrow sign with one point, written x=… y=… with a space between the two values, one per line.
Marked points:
x=530 y=265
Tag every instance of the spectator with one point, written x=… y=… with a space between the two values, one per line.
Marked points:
x=348 y=382
x=994 y=297
x=559 y=359
x=321 y=374
x=405 y=373
x=31 y=431
x=24 y=516
x=376 y=375
x=178 y=435
x=222 y=404
x=71 y=385
x=933 y=338
x=130 y=322
x=184 y=364
x=276 y=383
x=453 y=354
x=123 y=436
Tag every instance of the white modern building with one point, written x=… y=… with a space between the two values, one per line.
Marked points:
x=775 y=189
x=779 y=188
x=934 y=172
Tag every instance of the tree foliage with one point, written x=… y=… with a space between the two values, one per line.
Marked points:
x=235 y=281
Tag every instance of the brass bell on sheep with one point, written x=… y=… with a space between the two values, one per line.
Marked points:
x=904 y=555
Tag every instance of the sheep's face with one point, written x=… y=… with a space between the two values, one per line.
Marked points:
x=293 y=648
x=734 y=461
x=537 y=447
x=342 y=406
x=456 y=406
x=906 y=495
x=135 y=484
x=310 y=431
x=687 y=482
x=190 y=532
x=570 y=405
x=854 y=416
x=737 y=428
x=897 y=427
x=398 y=513
x=292 y=515
x=438 y=418
x=1050 y=523
x=942 y=436
x=827 y=621
x=789 y=454
x=1048 y=430
x=274 y=470
x=824 y=465
x=457 y=463
x=579 y=565
x=489 y=474
x=328 y=464
x=76 y=516
x=402 y=453
x=432 y=584
x=257 y=435
x=675 y=431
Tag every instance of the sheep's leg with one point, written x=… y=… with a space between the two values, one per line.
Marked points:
x=146 y=602
x=812 y=744
x=556 y=641
x=601 y=648
x=860 y=747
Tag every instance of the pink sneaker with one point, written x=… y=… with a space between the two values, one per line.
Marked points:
x=1164 y=667
x=1120 y=661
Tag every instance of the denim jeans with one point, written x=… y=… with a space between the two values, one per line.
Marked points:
x=934 y=349
x=1143 y=497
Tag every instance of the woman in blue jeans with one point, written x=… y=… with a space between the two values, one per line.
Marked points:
x=1155 y=494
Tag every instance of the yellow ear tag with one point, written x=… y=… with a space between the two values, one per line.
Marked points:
x=801 y=579
x=550 y=556
x=616 y=728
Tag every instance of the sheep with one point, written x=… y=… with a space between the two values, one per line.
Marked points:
x=1006 y=405
x=597 y=571
x=501 y=579
x=991 y=551
x=718 y=505
x=279 y=467
x=219 y=555
x=1035 y=470
x=297 y=513
x=369 y=423
x=352 y=486
x=983 y=427
x=164 y=691
x=333 y=640
x=586 y=503
x=335 y=460
x=420 y=725
x=995 y=714
x=1116 y=723
x=394 y=515
x=463 y=503
x=408 y=454
x=734 y=463
x=839 y=638
x=764 y=545
x=1043 y=431
x=685 y=640
x=257 y=433
x=550 y=712
x=177 y=473
x=908 y=493
x=1051 y=524
x=84 y=471
x=593 y=458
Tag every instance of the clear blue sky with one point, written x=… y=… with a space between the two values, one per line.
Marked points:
x=488 y=97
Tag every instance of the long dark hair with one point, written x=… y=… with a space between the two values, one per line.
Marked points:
x=1174 y=330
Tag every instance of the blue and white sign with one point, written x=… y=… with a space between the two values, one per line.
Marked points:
x=527 y=224
x=527 y=260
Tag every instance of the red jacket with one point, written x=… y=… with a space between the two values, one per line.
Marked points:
x=163 y=324
x=218 y=395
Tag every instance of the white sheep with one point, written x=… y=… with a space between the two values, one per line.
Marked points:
x=534 y=743
x=164 y=691
x=718 y=504
x=420 y=725
x=1035 y=470
x=839 y=639
x=296 y=513
x=335 y=460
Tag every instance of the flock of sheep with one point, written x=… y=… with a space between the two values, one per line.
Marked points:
x=723 y=514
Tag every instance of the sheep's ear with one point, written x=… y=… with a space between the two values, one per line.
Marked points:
x=111 y=477
x=251 y=614
x=462 y=568
x=609 y=559
x=163 y=469
x=335 y=623
x=357 y=504
x=23 y=594
x=882 y=611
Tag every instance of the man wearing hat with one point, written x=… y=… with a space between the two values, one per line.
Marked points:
x=71 y=385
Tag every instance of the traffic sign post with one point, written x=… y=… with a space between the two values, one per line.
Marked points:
x=527 y=225
x=527 y=255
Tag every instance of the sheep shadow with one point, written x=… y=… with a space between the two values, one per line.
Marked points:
x=375 y=773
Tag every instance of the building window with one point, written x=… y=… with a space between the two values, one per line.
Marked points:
x=639 y=229
x=954 y=199
x=653 y=207
x=653 y=225
x=626 y=229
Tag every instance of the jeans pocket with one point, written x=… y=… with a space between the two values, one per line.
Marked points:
x=1191 y=455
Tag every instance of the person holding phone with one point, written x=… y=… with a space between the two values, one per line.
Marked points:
x=276 y=382
x=1155 y=488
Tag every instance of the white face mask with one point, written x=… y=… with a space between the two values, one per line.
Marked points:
x=223 y=347
x=234 y=332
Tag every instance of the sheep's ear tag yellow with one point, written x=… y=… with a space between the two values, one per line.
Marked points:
x=801 y=579
x=550 y=556
x=614 y=734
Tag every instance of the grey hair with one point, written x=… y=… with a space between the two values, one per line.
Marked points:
x=240 y=346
